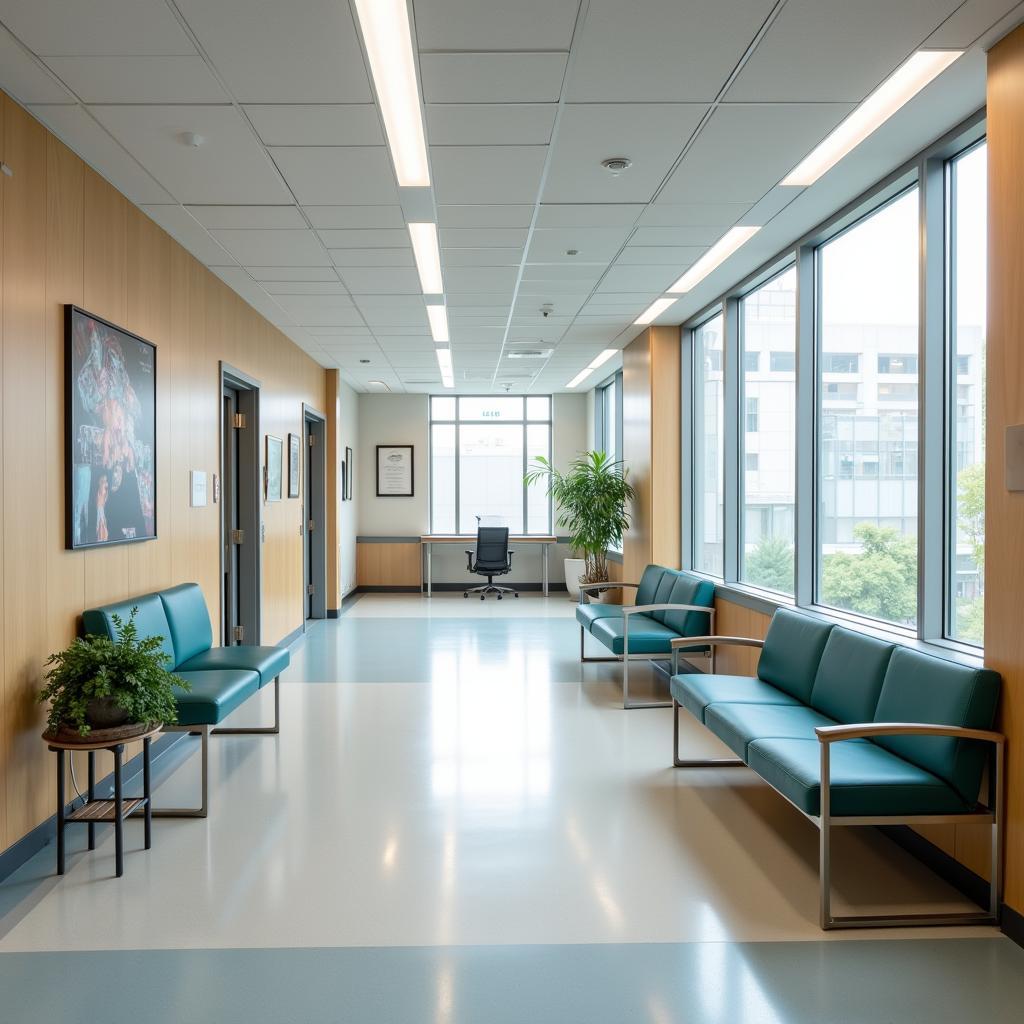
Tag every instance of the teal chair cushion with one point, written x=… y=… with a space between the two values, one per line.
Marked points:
x=792 y=651
x=266 y=662
x=189 y=620
x=214 y=695
x=661 y=595
x=697 y=692
x=865 y=779
x=690 y=589
x=920 y=688
x=645 y=635
x=587 y=614
x=738 y=725
x=850 y=676
x=150 y=621
x=649 y=584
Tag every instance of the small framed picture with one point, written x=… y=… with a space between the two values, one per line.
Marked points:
x=274 y=467
x=294 y=446
x=346 y=493
x=395 y=471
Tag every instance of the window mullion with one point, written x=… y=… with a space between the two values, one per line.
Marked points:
x=730 y=440
x=806 y=425
x=687 y=426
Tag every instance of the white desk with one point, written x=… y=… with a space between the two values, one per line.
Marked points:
x=428 y=540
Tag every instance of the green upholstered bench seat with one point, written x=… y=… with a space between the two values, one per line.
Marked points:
x=696 y=691
x=738 y=725
x=266 y=662
x=646 y=635
x=588 y=614
x=214 y=694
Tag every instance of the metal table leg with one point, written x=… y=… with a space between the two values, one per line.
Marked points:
x=60 y=812
x=118 y=813
x=544 y=560
x=147 y=791
x=430 y=553
x=92 y=796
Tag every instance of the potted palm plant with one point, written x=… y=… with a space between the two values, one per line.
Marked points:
x=109 y=685
x=591 y=498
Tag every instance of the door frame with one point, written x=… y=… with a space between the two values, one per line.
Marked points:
x=314 y=506
x=250 y=507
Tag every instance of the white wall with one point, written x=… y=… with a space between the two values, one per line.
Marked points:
x=348 y=424
x=404 y=419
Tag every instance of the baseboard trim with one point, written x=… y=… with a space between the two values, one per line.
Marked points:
x=365 y=589
x=46 y=832
x=524 y=587
x=295 y=634
x=1012 y=923
x=962 y=878
x=333 y=613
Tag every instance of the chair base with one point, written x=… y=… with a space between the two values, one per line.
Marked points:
x=696 y=762
x=191 y=812
x=260 y=730
x=490 y=588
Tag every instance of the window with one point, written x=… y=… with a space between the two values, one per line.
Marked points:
x=897 y=364
x=708 y=401
x=840 y=362
x=867 y=522
x=782 y=362
x=966 y=456
x=751 y=362
x=767 y=319
x=608 y=421
x=840 y=391
x=479 y=450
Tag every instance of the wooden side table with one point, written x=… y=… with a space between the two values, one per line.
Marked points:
x=95 y=811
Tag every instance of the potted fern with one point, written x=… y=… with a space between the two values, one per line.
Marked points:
x=110 y=685
x=591 y=498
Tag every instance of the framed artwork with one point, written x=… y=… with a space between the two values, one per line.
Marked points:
x=274 y=468
x=349 y=475
x=394 y=471
x=293 y=465
x=110 y=433
x=344 y=480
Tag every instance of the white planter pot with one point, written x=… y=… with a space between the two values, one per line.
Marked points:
x=574 y=569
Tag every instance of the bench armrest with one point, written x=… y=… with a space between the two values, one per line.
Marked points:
x=607 y=585
x=716 y=641
x=634 y=608
x=834 y=733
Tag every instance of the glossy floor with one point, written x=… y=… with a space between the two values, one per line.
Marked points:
x=449 y=777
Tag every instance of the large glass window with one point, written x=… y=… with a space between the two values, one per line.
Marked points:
x=867 y=446
x=768 y=324
x=966 y=456
x=479 y=451
x=609 y=418
x=708 y=468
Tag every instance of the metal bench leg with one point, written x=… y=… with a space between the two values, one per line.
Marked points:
x=707 y=762
x=265 y=730
x=191 y=812
x=590 y=658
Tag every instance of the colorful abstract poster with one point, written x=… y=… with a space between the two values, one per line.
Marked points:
x=110 y=378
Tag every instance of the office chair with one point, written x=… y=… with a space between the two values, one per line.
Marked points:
x=493 y=558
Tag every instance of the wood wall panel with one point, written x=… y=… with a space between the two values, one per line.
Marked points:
x=389 y=565
x=66 y=235
x=735 y=620
x=1004 y=510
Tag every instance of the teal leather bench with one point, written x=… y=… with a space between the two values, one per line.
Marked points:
x=221 y=678
x=853 y=730
x=669 y=605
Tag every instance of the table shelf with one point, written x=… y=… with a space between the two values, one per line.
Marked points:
x=96 y=811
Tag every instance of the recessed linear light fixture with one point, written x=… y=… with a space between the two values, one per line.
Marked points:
x=428 y=256
x=444 y=362
x=899 y=88
x=598 y=362
x=438 y=317
x=713 y=258
x=653 y=311
x=388 y=40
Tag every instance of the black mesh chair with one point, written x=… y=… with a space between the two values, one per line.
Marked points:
x=491 y=558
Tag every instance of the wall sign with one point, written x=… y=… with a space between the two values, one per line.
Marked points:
x=395 y=471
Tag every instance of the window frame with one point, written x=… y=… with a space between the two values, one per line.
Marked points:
x=937 y=373
x=458 y=421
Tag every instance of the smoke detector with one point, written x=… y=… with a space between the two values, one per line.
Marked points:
x=615 y=165
x=191 y=139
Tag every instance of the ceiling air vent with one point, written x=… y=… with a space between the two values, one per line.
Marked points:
x=528 y=353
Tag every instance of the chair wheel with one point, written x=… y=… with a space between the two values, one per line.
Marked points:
x=499 y=597
x=481 y=597
x=465 y=595
x=516 y=594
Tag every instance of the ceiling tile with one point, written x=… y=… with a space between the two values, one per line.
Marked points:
x=593 y=245
x=381 y=280
x=637 y=278
x=278 y=273
x=663 y=214
x=338 y=175
x=365 y=238
x=259 y=248
x=662 y=50
x=487 y=174
x=322 y=124
x=969 y=23
x=495 y=24
x=486 y=124
x=247 y=216
x=22 y=77
x=680 y=256
x=492 y=77
x=693 y=235
x=355 y=217
x=373 y=257
x=718 y=167
x=394 y=317
x=509 y=257
x=832 y=50
x=480 y=279
x=152 y=79
x=101 y=27
x=229 y=166
x=269 y=52
x=482 y=238
x=94 y=145
x=652 y=135
x=588 y=215
x=304 y=288
x=471 y=299
x=348 y=332
x=182 y=227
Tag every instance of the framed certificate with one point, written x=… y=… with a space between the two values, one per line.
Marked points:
x=394 y=471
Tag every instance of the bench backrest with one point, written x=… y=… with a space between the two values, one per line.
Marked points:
x=792 y=651
x=689 y=589
x=649 y=584
x=178 y=615
x=850 y=674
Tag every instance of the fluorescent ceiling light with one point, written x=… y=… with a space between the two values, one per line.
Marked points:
x=713 y=258
x=599 y=361
x=388 y=40
x=899 y=88
x=653 y=311
x=444 y=362
x=438 y=317
x=428 y=256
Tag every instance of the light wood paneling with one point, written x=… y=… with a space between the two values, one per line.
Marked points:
x=66 y=235
x=735 y=620
x=1004 y=511
x=388 y=565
